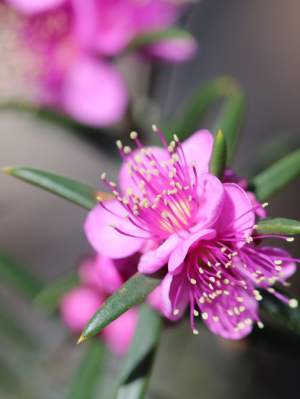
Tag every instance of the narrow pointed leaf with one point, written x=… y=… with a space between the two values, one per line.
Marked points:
x=231 y=119
x=277 y=176
x=18 y=277
x=278 y=226
x=50 y=297
x=72 y=190
x=218 y=158
x=198 y=106
x=137 y=365
x=88 y=372
x=132 y=293
x=158 y=36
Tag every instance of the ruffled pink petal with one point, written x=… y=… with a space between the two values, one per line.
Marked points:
x=174 y=296
x=105 y=239
x=155 y=14
x=259 y=209
x=179 y=253
x=197 y=149
x=173 y=50
x=94 y=92
x=238 y=216
x=288 y=268
x=119 y=333
x=101 y=272
x=125 y=179
x=231 y=316
x=211 y=197
x=155 y=299
x=153 y=260
x=35 y=6
x=84 y=21
x=78 y=306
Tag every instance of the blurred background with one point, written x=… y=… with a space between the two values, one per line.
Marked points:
x=256 y=42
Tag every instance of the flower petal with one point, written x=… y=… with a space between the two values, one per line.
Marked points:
x=119 y=333
x=100 y=272
x=179 y=253
x=94 y=92
x=100 y=231
x=210 y=196
x=231 y=316
x=198 y=148
x=175 y=296
x=153 y=260
x=288 y=268
x=35 y=6
x=125 y=179
x=173 y=50
x=238 y=216
x=78 y=306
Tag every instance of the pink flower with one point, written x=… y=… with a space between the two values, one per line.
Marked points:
x=231 y=177
x=100 y=277
x=70 y=77
x=71 y=39
x=169 y=208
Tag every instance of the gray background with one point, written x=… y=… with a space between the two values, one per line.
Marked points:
x=257 y=42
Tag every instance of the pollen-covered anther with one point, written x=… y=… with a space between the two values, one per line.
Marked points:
x=290 y=239
x=195 y=332
x=265 y=204
x=175 y=312
x=293 y=303
x=204 y=316
x=257 y=295
x=127 y=150
x=260 y=324
x=133 y=135
x=119 y=144
x=193 y=281
x=196 y=313
x=249 y=239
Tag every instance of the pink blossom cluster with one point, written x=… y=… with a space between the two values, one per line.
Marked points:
x=99 y=277
x=199 y=231
x=75 y=43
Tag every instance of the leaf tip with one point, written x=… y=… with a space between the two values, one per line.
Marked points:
x=7 y=170
x=81 y=339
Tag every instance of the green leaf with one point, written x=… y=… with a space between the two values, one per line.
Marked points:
x=277 y=176
x=196 y=108
x=88 y=372
x=218 y=158
x=50 y=297
x=79 y=193
x=137 y=365
x=286 y=316
x=18 y=277
x=132 y=293
x=231 y=119
x=158 y=36
x=278 y=226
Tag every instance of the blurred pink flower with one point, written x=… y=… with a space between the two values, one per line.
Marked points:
x=99 y=278
x=72 y=40
x=175 y=213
